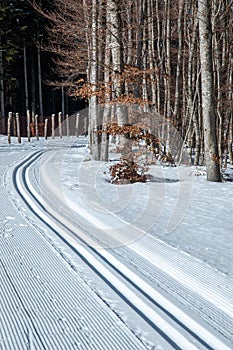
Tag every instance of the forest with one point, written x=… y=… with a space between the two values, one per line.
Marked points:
x=173 y=57
x=24 y=66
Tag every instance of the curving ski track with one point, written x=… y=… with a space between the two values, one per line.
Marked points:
x=176 y=327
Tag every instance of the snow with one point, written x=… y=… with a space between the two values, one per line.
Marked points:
x=189 y=212
x=177 y=227
x=144 y=286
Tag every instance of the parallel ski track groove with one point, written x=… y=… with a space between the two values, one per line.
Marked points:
x=101 y=319
x=24 y=165
x=19 y=298
x=223 y=322
x=170 y=341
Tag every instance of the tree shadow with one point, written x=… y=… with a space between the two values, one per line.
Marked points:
x=161 y=179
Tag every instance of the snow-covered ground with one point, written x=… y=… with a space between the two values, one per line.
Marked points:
x=177 y=206
x=170 y=239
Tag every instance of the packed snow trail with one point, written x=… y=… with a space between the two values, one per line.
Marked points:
x=43 y=303
x=125 y=278
x=178 y=339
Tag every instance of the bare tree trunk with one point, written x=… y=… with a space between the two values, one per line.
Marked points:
x=87 y=37
x=33 y=87
x=93 y=115
x=208 y=100
x=217 y=79
x=63 y=100
x=230 y=99
x=159 y=38
x=144 y=66
x=115 y=27
x=116 y=47
x=107 y=62
x=40 y=86
x=139 y=61
x=25 y=78
x=129 y=60
x=167 y=80
x=179 y=57
x=105 y=136
x=107 y=107
x=67 y=126
x=151 y=52
x=100 y=49
x=196 y=124
x=2 y=95
x=77 y=124
x=191 y=74
x=230 y=139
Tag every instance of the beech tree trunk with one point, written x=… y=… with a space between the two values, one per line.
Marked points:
x=115 y=27
x=93 y=114
x=2 y=95
x=208 y=100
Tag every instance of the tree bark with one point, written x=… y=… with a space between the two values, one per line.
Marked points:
x=2 y=94
x=25 y=78
x=208 y=100
x=93 y=112
x=33 y=87
x=115 y=28
x=179 y=57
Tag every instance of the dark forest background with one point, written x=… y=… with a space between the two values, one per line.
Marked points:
x=26 y=70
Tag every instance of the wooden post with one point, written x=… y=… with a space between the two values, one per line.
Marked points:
x=53 y=125
x=36 y=127
x=67 y=125
x=77 y=124
x=28 y=125
x=60 y=123
x=46 y=129
x=9 y=126
x=14 y=126
x=18 y=127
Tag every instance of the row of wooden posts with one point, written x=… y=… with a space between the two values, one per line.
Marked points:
x=36 y=129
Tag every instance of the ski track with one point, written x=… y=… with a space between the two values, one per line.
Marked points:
x=201 y=306
x=181 y=342
x=43 y=304
x=43 y=316
x=204 y=282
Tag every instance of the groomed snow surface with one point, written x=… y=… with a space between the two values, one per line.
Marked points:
x=85 y=264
